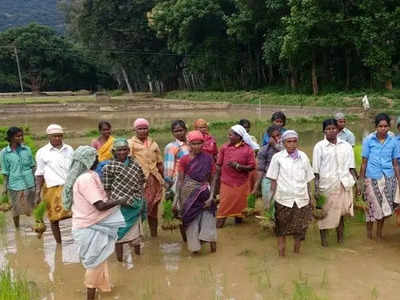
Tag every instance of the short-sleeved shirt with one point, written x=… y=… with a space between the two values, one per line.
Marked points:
x=292 y=176
x=18 y=167
x=173 y=152
x=53 y=164
x=346 y=135
x=380 y=156
x=184 y=161
x=242 y=154
x=333 y=163
x=88 y=190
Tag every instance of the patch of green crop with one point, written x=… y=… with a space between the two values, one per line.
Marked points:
x=14 y=286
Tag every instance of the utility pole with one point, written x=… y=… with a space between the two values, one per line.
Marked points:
x=19 y=70
x=20 y=81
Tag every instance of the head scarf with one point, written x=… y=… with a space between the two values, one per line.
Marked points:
x=239 y=129
x=54 y=129
x=288 y=134
x=82 y=160
x=200 y=123
x=194 y=135
x=120 y=142
x=339 y=116
x=141 y=122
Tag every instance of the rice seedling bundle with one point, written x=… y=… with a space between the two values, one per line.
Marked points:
x=360 y=204
x=169 y=222
x=318 y=212
x=38 y=214
x=267 y=221
x=251 y=206
x=4 y=203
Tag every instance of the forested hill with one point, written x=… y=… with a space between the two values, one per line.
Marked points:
x=21 y=12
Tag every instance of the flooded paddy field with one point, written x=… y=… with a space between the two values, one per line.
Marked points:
x=246 y=264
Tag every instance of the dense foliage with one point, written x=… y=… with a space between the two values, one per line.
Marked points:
x=309 y=45
x=48 y=61
x=15 y=13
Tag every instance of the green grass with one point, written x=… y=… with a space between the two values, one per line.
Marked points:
x=16 y=287
x=282 y=96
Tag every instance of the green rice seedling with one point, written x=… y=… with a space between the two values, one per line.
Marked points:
x=267 y=221
x=16 y=287
x=251 y=210
x=357 y=155
x=324 y=281
x=3 y=221
x=38 y=214
x=169 y=221
x=303 y=291
x=374 y=294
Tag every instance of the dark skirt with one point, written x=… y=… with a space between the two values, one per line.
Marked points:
x=292 y=221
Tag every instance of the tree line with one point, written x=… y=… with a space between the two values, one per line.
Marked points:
x=309 y=45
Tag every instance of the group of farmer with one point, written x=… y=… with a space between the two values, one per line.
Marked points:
x=112 y=186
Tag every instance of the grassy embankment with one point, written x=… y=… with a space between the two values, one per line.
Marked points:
x=281 y=96
x=271 y=96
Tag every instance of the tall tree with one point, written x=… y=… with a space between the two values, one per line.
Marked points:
x=47 y=60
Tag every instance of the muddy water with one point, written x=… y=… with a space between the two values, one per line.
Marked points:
x=246 y=265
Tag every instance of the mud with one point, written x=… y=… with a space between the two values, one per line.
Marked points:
x=245 y=266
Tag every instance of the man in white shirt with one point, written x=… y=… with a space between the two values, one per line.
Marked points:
x=335 y=176
x=290 y=173
x=53 y=161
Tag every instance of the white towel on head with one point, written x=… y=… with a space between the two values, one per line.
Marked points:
x=239 y=129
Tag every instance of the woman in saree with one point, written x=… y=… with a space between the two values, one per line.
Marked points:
x=147 y=153
x=103 y=144
x=195 y=196
x=379 y=175
x=210 y=144
x=95 y=219
x=335 y=176
x=123 y=178
x=235 y=161
x=290 y=173
x=173 y=152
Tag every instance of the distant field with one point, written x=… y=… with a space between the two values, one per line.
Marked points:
x=279 y=96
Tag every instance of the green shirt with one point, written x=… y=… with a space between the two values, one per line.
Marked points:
x=18 y=165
